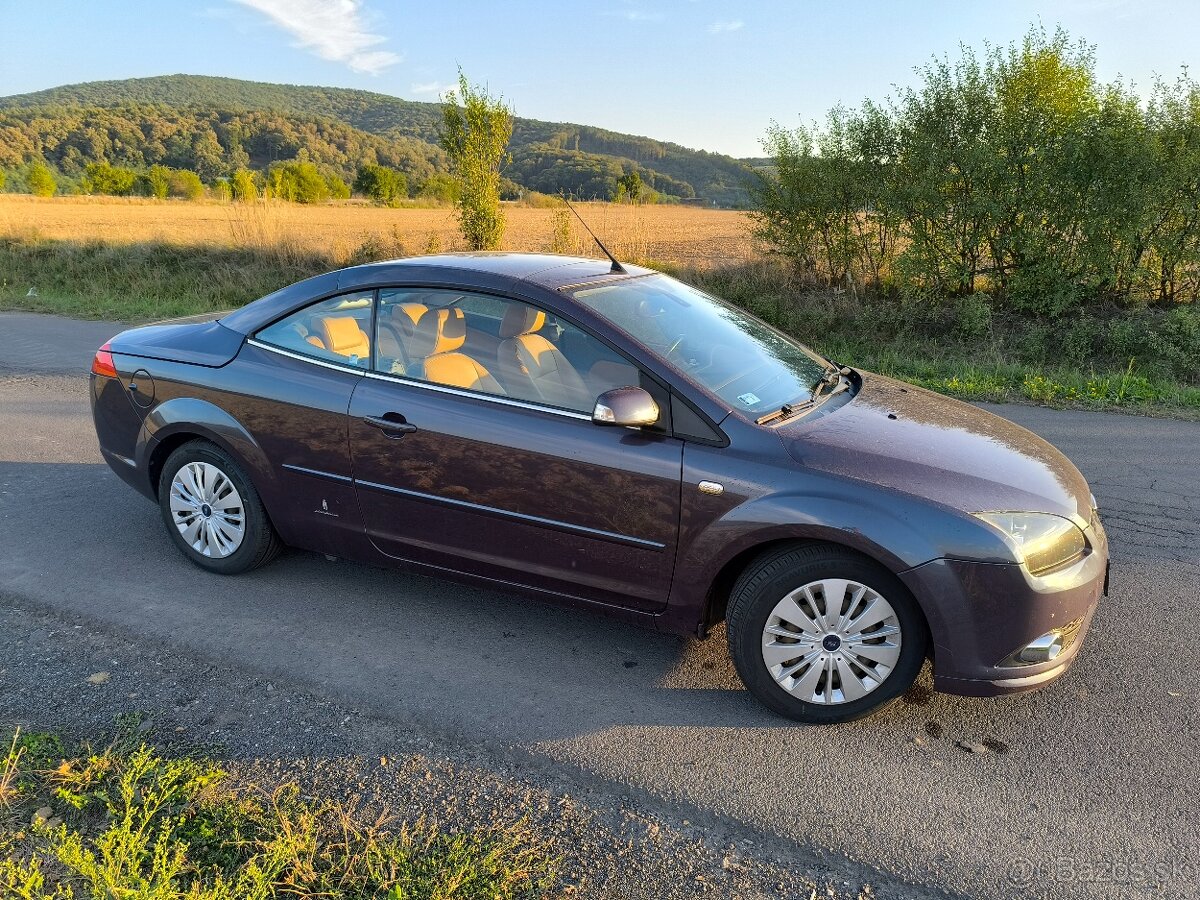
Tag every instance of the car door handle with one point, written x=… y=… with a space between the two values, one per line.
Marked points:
x=394 y=427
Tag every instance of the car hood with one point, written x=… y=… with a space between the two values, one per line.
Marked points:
x=923 y=444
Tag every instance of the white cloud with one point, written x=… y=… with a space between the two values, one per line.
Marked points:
x=725 y=26
x=332 y=29
x=431 y=87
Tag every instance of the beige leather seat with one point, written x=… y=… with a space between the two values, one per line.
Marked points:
x=340 y=335
x=534 y=369
x=439 y=335
x=397 y=338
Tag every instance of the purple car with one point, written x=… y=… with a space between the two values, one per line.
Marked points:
x=610 y=438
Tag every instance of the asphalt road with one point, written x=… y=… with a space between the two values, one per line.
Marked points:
x=1092 y=792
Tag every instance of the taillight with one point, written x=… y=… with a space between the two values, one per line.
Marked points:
x=102 y=364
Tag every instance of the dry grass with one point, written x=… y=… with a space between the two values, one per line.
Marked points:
x=675 y=235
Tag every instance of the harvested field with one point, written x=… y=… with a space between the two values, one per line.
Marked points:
x=678 y=235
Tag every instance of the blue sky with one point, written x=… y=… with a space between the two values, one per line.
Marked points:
x=703 y=73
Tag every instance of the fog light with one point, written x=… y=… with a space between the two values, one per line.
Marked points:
x=1042 y=649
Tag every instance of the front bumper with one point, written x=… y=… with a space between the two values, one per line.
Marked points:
x=981 y=614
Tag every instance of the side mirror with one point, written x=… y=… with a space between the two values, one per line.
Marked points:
x=628 y=406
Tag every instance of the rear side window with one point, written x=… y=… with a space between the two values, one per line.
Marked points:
x=494 y=345
x=337 y=330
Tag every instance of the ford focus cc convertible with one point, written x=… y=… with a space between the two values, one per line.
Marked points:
x=608 y=437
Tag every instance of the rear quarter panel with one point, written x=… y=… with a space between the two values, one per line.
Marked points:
x=269 y=412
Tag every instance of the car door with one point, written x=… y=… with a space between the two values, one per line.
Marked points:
x=292 y=390
x=469 y=474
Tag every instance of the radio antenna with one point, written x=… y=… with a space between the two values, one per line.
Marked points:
x=617 y=268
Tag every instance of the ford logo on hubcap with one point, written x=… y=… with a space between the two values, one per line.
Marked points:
x=831 y=642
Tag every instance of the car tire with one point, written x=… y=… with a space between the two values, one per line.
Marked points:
x=833 y=664
x=201 y=478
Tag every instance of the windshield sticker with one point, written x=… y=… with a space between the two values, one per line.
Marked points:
x=748 y=399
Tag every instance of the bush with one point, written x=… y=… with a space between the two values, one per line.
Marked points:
x=381 y=184
x=186 y=184
x=243 y=186
x=154 y=183
x=302 y=182
x=41 y=180
x=1017 y=173
x=441 y=188
x=973 y=315
x=101 y=178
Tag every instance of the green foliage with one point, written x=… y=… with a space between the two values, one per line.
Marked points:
x=629 y=187
x=186 y=184
x=475 y=137
x=154 y=183
x=243 y=186
x=405 y=125
x=441 y=188
x=155 y=827
x=1017 y=174
x=562 y=234
x=3 y=180
x=381 y=184
x=41 y=180
x=211 y=141
x=101 y=178
x=302 y=182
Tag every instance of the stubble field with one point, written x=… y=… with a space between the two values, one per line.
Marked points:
x=676 y=235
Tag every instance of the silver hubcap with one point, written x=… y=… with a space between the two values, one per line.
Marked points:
x=831 y=641
x=207 y=509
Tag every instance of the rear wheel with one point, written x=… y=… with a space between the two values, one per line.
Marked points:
x=820 y=634
x=212 y=511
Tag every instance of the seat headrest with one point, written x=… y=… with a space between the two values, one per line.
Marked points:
x=341 y=334
x=441 y=331
x=405 y=316
x=521 y=319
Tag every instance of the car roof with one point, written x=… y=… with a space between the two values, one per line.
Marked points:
x=497 y=270
x=544 y=269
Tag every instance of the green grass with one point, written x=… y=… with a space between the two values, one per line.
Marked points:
x=129 y=821
x=1143 y=360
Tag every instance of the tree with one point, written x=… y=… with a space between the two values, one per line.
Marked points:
x=475 y=136
x=381 y=184
x=441 y=187
x=243 y=187
x=101 y=178
x=187 y=184
x=155 y=183
x=629 y=187
x=302 y=182
x=41 y=180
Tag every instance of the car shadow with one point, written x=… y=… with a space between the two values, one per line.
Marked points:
x=648 y=714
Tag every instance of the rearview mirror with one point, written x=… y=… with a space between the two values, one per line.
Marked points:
x=628 y=406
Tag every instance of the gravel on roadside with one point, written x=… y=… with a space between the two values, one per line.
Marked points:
x=83 y=681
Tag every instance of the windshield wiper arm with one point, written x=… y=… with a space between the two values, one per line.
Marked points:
x=788 y=410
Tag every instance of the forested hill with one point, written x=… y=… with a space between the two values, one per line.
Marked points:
x=547 y=156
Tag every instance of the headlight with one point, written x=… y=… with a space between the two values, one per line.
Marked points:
x=1041 y=541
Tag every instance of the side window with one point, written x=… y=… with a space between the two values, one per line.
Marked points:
x=336 y=330
x=496 y=346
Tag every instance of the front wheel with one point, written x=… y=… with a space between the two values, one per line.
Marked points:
x=212 y=511
x=822 y=635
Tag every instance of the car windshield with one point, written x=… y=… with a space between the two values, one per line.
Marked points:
x=745 y=362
